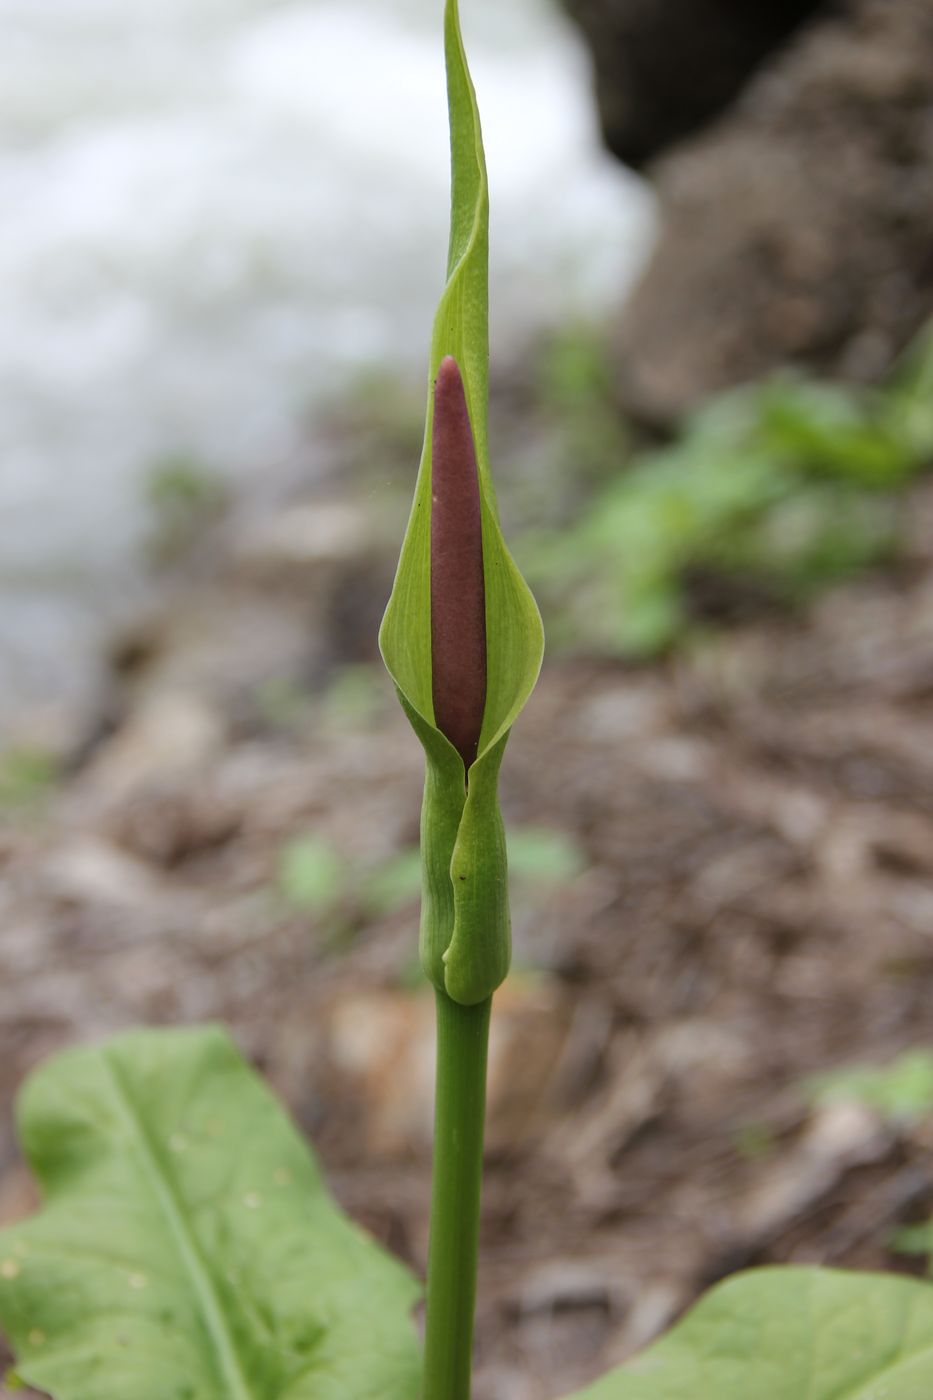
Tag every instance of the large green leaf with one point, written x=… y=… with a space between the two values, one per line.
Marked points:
x=790 y=1334
x=188 y=1248
x=465 y=930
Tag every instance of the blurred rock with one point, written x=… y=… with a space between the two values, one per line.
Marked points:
x=527 y=1044
x=384 y=1042
x=300 y=541
x=91 y=872
x=168 y=734
x=281 y=599
x=795 y=229
x=840 y=1137
x=664 y=67
x=175 y=823
x=220 y=643
x=575 y=1284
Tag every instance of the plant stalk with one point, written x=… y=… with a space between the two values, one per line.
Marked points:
x=459 y=1111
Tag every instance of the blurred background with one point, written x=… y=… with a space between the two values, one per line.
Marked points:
x=224 y=235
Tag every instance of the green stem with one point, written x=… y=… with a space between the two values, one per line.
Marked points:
x=459 y=1110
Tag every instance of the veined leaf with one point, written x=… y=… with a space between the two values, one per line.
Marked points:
x=790 y=1334
x=188 y=1248
x=465 y=928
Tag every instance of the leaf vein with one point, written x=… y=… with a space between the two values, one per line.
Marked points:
x=864 y=1389
x=172 y=1208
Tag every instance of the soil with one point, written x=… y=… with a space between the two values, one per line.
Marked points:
x=756 y=906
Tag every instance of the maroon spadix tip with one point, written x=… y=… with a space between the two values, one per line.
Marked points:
x=458 y=593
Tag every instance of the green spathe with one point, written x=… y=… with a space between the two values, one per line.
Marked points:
x=188 y=1248
x=790 y=1334
x=465 y=941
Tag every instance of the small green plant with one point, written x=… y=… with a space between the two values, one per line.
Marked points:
x=353 y=697
x=393 y=884
x=576 y=401
x=183 y=498
x=913 y=1240
x=900 y=1092
x=282 y=703
x=311 y=876
x=770 y=493
x=754 y=1140
x=187 y=1248
x=543 y=858
x=538 y=860
x=27 y=776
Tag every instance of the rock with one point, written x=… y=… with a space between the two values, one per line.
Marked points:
x=383 y=1041
x=840 y=1138
x=571 y=1283
x=220 y=643
x=302 y=540
x=795 y=230
x=330 y=555
x=90 y=872
x=173 y=824
x=527 y=1043
x=664 y=67
x=289 y=596
x=169 y=734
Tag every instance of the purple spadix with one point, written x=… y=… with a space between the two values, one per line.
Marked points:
x=458 y=591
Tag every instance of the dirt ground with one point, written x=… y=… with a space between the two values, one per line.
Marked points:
x=755 y=905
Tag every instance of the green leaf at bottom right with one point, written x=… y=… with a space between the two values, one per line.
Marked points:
x=790 y=1334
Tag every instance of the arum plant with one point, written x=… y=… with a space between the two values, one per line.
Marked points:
x=187 y=1247
x=462 y=639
